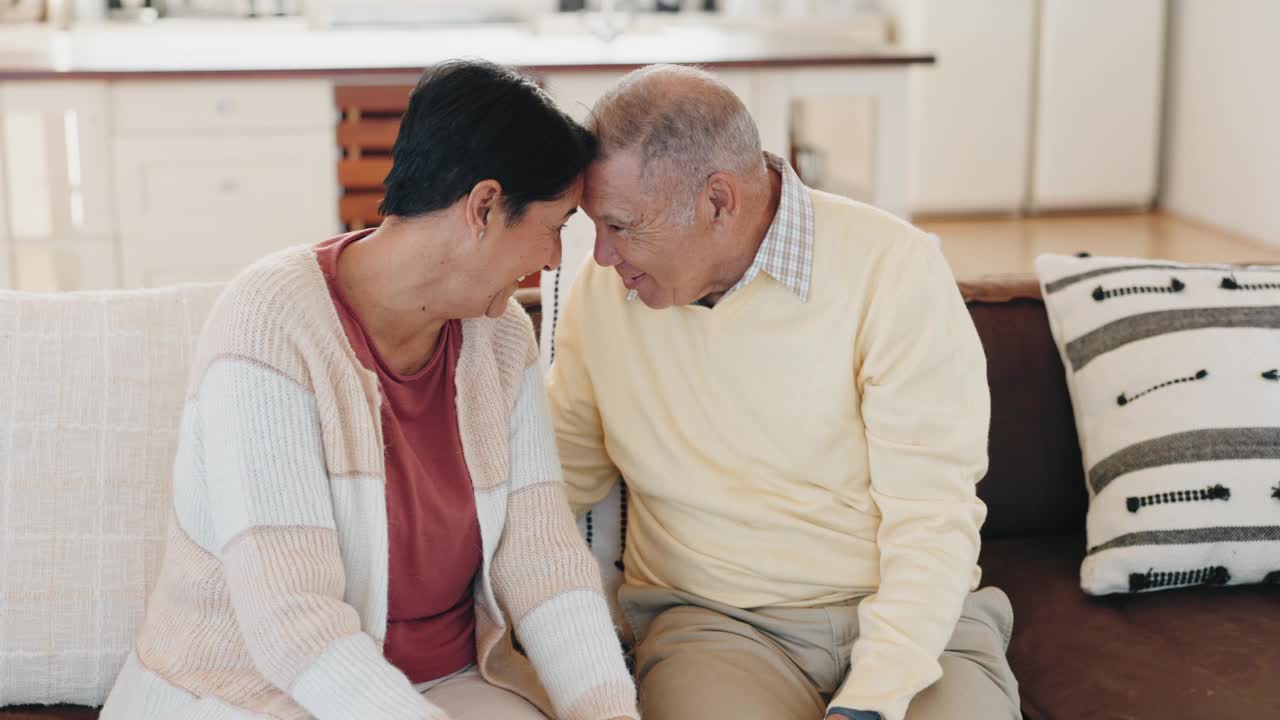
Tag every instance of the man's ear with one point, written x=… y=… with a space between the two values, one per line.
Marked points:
x=482 y=205
x=724 y=195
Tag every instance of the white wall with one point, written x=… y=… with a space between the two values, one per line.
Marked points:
x=1222 y=157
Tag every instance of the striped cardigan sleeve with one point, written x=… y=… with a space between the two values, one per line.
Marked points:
x=274 y=531
x=547 y=580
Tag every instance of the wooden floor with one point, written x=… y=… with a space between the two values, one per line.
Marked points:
x=978 y=247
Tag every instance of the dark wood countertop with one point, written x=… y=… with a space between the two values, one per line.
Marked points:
x=290 y=50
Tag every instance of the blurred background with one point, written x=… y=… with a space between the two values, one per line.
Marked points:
x=150 y=142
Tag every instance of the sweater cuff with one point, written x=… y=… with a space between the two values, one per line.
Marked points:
x=572 y=644
x=615 y=700
x=889 y=703
x=352 y=679
x=855 y=714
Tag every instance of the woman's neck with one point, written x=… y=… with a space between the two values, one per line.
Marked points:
x=397 y=281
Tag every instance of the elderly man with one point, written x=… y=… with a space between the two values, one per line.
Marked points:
x=793 y=390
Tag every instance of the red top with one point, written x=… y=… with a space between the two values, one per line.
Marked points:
x=432 y=528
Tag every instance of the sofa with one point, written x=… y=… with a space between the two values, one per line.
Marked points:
x=1193 y=653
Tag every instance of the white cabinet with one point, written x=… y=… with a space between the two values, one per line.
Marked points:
x=1098 y=108
x=211 y=176
x=972 y=128
x=57 y=207
x=244 y=106
x=6 y=238
x=1034 y=104
x=201 y=211
x=140 y=184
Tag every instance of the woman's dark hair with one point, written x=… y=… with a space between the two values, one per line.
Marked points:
x=471 y=120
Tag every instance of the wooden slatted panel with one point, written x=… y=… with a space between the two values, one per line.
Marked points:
x=360 y=209
x=377 y=134
x=366 y=173
x=367 y=132
x=373 y=99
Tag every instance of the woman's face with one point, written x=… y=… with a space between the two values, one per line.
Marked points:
x=508 y=253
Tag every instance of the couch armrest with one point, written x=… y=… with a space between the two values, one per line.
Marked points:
x=1000 y=288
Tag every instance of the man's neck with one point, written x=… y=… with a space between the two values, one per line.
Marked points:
x=758 y=224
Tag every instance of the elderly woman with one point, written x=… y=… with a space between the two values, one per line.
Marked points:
x=367 y=497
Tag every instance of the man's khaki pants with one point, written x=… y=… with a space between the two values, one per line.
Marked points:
x=700 y=660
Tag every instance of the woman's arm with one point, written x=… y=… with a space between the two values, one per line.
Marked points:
x=548 y=582
x=273 y=521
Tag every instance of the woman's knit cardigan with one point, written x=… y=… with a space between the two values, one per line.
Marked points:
x=272 y=596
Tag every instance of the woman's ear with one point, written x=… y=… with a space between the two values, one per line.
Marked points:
x=482 y=205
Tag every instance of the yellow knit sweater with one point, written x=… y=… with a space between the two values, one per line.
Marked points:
x=791 y=453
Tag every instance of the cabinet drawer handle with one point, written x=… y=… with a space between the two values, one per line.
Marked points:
x=224 y=106
x=227 y=187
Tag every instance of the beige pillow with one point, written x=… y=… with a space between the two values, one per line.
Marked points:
x=91 y=392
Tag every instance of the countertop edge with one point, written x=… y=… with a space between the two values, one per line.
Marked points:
x=36 y=74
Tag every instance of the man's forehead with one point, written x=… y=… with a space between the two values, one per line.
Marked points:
x=614 y=171
x=616 y=183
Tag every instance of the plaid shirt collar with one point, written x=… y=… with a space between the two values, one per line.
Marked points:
x=786 y=254
x=787 y=251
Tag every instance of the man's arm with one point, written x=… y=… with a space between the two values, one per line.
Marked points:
x=589 y=474
x=927 y=409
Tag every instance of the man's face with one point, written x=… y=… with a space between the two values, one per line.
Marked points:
x=664 y=261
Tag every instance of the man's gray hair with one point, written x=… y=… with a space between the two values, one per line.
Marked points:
x=686 y=125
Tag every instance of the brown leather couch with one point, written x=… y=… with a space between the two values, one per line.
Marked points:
x=1182 y=654
x=1197 y=653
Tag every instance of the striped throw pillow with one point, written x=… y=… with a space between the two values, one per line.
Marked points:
x=1174 y=373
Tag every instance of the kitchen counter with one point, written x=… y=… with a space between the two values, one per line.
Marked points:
x=287 y=48
x=248 y=136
